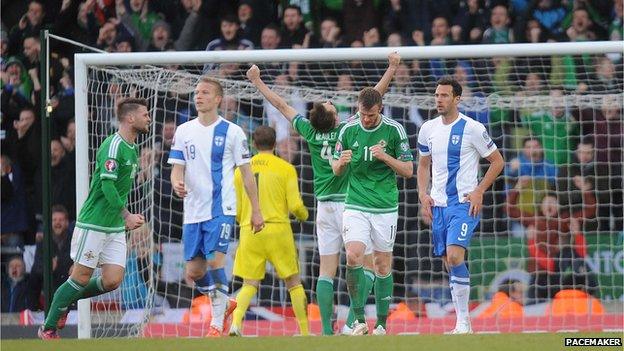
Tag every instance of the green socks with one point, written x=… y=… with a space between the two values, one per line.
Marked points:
x=93 y=288
x=383 y=298
x=369 y=279
x=325 y=300
x=355 y=285
x=64 y=296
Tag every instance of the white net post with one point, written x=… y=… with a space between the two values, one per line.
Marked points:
x=494 y=88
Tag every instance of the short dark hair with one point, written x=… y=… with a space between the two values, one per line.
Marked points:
x=61 y=209
x=447 y=80
x=293 y=7
x=369 y=97
x=530 y=138
x=230 y=19
x=551 y=193
x=264 y=138
x=274 y=28
x=128 y=105
x=321 y=120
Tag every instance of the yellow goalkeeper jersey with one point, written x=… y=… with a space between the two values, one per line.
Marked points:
x=278 y=191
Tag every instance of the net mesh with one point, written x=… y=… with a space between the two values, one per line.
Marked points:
x=560 y=101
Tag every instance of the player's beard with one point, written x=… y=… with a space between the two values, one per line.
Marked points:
x=144 y=130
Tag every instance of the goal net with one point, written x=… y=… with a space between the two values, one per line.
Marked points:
x=555 y=112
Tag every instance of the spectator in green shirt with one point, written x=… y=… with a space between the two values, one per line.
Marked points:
x=557 y=130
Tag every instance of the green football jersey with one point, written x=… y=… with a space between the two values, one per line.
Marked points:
x=327 y=187
x=372 y=184
x=116 y=160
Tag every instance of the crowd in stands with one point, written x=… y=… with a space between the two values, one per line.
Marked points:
x=563 y=178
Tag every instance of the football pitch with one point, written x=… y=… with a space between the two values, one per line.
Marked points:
x=476 y=342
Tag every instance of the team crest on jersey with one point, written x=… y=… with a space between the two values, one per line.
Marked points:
x=382 y=143
x=455 y=139
x=404 y=146
x=110 y=165
x=219 y=140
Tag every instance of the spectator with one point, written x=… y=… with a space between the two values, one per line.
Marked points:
x=140 y=20
x=14 y=212
x=16 y=92
x=499 y=31
x=440 y=33
x=285 y=139
x=231 y=110
x=572 y=178
x=230 y=37
x=359 y=16
x=607 y=128
x=371 y=37
x=107 y=36
x=507 y=302
x=606 y=80
x=29 y=25
x=62 y=104
x=15 y=287
x=394 y=40
x=469 y=23
x=555 y=240
x=62 y=231
x=250 y=25
x=558 y=131
x=271 y=40
x=616 y=28
x=293 y=31
x=63 y=178
x=534 y=173
x=580 y=30
x=549 y=14
x=168 y=208
x=329 y=35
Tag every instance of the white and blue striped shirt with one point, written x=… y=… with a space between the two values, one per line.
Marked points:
x=210 y=155
x=455 y=151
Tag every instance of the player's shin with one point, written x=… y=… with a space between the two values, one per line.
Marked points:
x=325 y=300
x=460 y=289
x=369 y=281
x=243 y=299
x=355 y=284
x=383 y=297
x=300 y=306
x=64 y=296
x=218 y=296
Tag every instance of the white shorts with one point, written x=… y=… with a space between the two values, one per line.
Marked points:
x=329 y=227
x=91 y=248
x=375 y=230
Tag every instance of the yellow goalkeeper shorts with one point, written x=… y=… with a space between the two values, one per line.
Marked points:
x=274 y=243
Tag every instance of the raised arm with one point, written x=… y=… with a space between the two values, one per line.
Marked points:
x=393 y=63
x=253 y=74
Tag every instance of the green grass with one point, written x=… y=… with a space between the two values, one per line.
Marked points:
x=478 y=342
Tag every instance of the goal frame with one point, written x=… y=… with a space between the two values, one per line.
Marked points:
x=84 y=60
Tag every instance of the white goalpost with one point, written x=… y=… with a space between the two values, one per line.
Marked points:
x=155 y=299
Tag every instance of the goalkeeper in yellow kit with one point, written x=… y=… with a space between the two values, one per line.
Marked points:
x=278 y=192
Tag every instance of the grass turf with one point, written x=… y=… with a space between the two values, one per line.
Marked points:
x=506 y=342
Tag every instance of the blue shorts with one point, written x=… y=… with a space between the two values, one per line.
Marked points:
x=452 y=226
x=204 y=238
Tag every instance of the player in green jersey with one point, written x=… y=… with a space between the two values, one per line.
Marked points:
x=321 y=132
x=99 y=237
x=373 y=148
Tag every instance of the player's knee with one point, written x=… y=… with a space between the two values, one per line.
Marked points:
x=292 y=281
x=454 y=258
x=111 y=282
x=383 y=267
x=195 y=274
x=354 y=257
